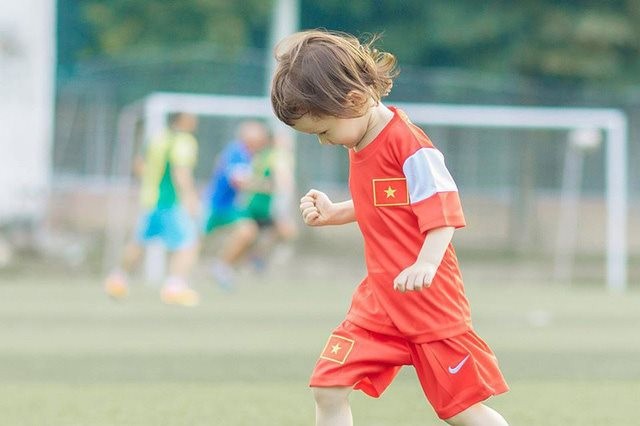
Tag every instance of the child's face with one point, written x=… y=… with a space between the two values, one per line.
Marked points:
x=330 y=130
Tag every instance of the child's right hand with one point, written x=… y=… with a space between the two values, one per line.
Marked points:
x=316 y=208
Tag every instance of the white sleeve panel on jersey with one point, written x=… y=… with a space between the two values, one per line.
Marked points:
x=427 y=174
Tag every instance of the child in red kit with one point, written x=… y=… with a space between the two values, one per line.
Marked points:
x=411 y=308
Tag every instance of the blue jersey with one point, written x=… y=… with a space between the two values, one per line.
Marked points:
x=233 y=163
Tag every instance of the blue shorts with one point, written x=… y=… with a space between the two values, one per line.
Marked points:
x=173 y=226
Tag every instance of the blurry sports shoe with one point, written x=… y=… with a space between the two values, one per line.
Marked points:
x=223 y=275
x=178 y=293
x=259 y=263
x=116 y=286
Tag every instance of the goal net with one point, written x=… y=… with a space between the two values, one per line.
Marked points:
x=544 y=189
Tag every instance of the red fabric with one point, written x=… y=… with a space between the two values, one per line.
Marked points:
x=447 y=203
x=394 y=231
x=337 y=349
x=454 y=373
x=390 y=192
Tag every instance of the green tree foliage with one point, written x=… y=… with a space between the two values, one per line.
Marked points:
x=125 y=27
x=581 y=40
x=576 y=39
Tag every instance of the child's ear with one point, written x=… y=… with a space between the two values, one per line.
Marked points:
x=357 y=99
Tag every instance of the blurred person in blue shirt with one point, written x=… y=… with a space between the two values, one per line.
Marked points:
x=232 y=176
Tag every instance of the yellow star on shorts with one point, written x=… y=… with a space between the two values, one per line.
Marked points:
x=337 y=349
x=391 y=193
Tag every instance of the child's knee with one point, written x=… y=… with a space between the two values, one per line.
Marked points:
x=247 y=229
x=330 y=396
x=478 y=414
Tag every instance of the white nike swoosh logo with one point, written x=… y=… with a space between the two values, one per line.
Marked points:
x=454 y=370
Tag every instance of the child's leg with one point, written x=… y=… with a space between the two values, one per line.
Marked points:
x=477 y=415
x=237 y=243
x=242 y=237
x=457 y=374
x=116 y=284
x=183 y=260
x=131 y=256
x=357 y=358
x=332 y=406
x=176 y=290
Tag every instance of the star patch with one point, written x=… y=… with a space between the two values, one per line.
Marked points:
x=390 y=192
x=337 y=349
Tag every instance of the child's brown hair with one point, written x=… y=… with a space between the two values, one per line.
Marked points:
x=328 y=73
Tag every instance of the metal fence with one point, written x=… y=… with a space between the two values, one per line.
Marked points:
x=497 y=170
x=88 y=104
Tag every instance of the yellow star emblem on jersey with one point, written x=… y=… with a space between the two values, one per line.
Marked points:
x=391 y=193
x=336 y=348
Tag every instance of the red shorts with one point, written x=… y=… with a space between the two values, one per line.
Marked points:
x=454 y=373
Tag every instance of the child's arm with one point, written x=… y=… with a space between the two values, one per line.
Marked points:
x=318 y=210
x=183 y=177
x=421 y=273
x=138 y=166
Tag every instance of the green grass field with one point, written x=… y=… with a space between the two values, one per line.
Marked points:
x=69 y=356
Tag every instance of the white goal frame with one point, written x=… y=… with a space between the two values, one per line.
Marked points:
x=612 y=122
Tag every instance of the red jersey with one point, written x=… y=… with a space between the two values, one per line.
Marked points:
x=401 y=189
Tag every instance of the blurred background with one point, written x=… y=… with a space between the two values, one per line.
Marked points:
x=75 y=79
x=89 y=60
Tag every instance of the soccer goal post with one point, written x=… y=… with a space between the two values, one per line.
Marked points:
x=612 y=122
x=154 y=109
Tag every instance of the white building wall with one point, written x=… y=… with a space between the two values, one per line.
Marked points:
x=27 y=68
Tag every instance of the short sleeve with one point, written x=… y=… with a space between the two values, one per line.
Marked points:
x=238 y=163
x=185 y=151
x=433 y=194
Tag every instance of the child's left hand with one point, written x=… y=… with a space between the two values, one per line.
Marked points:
x=415 y=277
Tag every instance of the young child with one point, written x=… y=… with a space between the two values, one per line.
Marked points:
x=170 y=206
x=411 y=308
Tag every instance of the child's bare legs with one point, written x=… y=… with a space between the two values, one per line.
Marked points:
x=116 y=284
x=182 y=261
x=131 y=256
x=332 y=406
x=333 y=409
x=176 y=290
x=241 y=238
x=285 y=229
x=477 y=415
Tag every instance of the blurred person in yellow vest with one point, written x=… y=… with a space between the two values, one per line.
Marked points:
x=170 y=211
